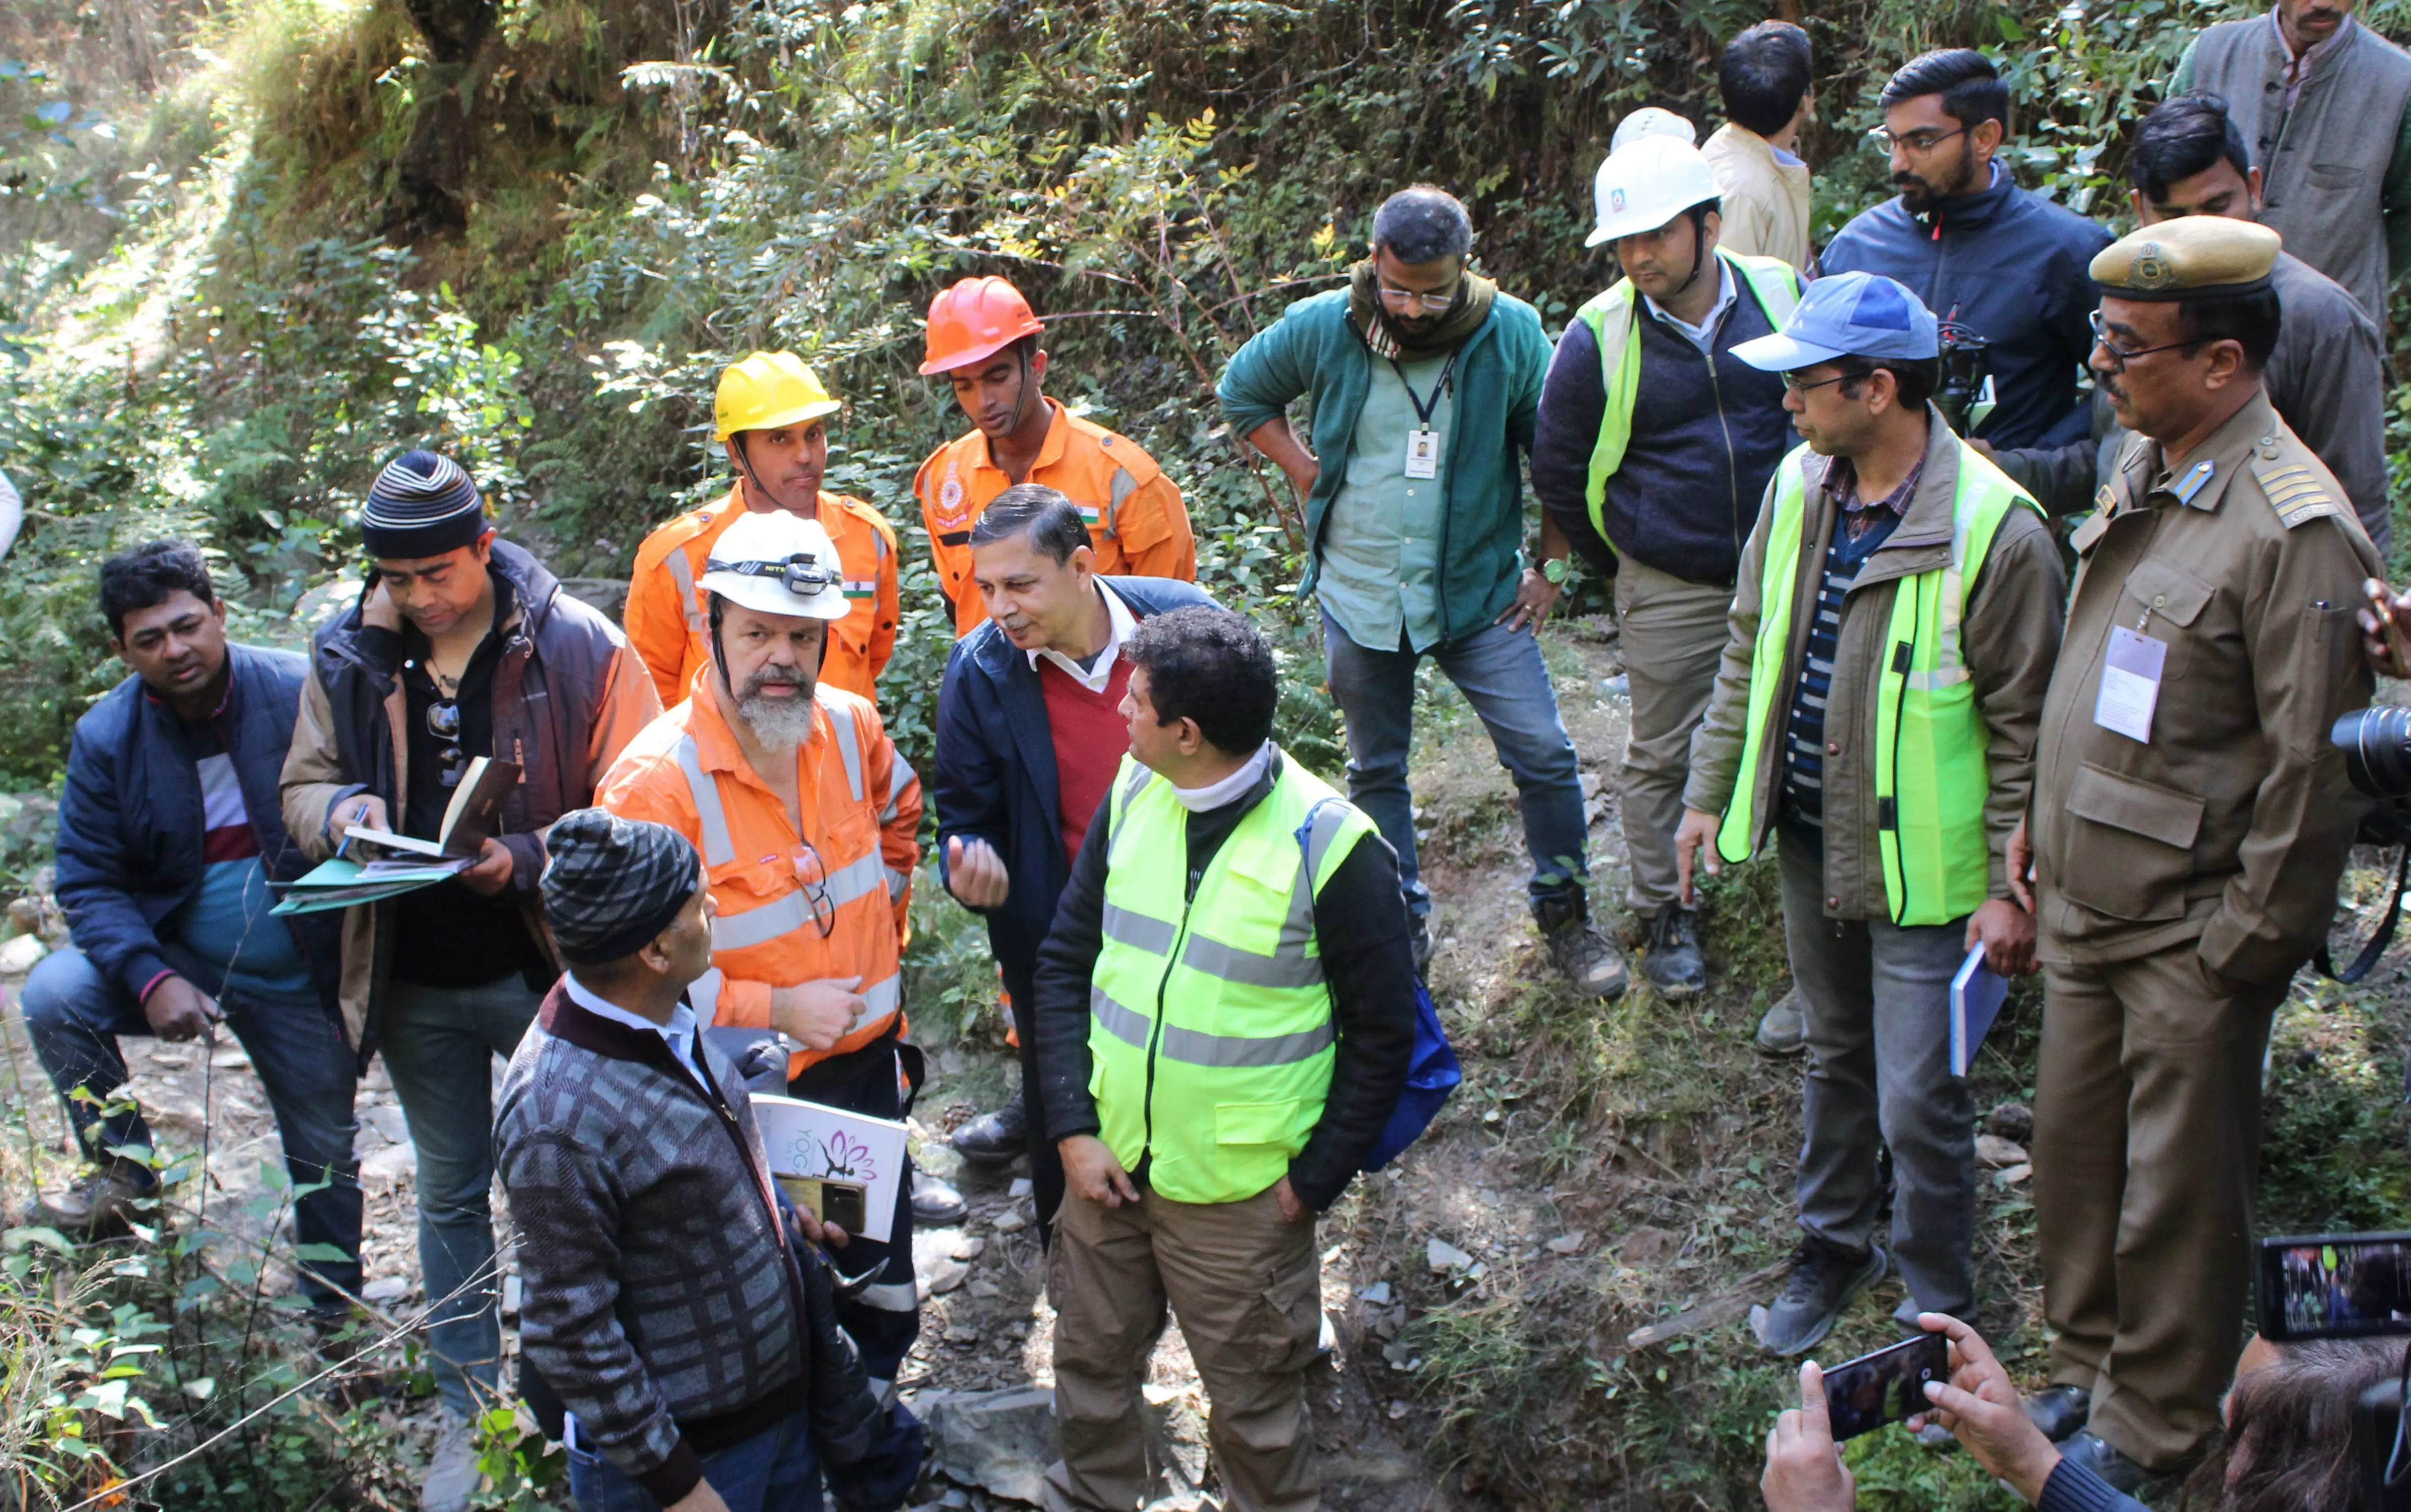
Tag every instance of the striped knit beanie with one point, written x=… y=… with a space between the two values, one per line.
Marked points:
x=610 y=884
x=422 y=505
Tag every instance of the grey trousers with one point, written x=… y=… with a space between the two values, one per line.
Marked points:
x=1672 y=632
x=1877 y=997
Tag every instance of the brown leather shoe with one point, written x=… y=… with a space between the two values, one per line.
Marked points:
x=101 y=1202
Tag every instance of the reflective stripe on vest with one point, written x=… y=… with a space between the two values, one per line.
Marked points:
x=712 y=820
x=848 y=745
x=1931 y=773
x=682 y=575
x=1211 y=1023
x=1773 y=282
x=1123 y=486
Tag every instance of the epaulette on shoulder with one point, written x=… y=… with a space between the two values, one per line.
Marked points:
x=2295 y=492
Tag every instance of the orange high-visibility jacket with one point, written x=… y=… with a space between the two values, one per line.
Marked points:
x=1136 y=519
x=862 y=810
x=665 y=617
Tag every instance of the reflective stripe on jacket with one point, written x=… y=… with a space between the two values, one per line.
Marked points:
x=665 y=616
x=829 y=902
x=1930 y=760
x=1210 y=1025
x=1137 y=523
x=1773 y=283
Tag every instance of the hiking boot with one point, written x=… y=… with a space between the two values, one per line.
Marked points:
x=452 y=1473
x=101 y=1202
x=1824 y=1278
x=2059 y=1411
x=935 y=1205
x=1670 y=954
x=1784 y=1030
x=994 y=1138
x=1580 y=951
x=2099 y=1455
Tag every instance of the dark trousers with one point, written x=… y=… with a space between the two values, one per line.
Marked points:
x=74 y=1014
x=1045 y=1161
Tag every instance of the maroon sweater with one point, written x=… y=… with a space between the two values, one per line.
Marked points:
x=1090 y=739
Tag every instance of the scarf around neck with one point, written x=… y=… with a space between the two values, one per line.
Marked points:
x=1372 y=322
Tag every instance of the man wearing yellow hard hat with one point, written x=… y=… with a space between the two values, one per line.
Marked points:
x=767 y=415
x=983 y=339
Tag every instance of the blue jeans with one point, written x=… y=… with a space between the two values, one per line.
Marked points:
x=774 y=1471
x=439 y=1044
x=1500 y=673
x=74 y=1014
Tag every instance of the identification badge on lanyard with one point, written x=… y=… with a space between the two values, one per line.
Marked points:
x=2130 y=683
x=1422 y=442
x=1423 y=453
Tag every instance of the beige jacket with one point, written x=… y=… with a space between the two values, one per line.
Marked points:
x=1767 y=202
x=2231 y=825
x=2011 y=637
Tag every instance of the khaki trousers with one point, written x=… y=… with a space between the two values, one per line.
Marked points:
x=1673 y=634
x=1248 y=1289
x=2146 y=1150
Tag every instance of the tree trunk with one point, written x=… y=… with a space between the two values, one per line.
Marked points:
x=427 y=199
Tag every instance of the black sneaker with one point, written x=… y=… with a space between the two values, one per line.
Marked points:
x=2059 y=1411
x=1823 y=1280
x=1580 y=951
x=1671 y=953
x=994 y=1138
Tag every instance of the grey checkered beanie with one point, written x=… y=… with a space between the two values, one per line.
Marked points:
x=422 y=505
x=612 y=883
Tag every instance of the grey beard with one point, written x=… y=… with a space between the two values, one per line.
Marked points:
x=779 y=724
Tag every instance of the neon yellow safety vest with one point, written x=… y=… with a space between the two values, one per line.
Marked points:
x=1773 y=282
x=1931 y=739
x=1210 y=1029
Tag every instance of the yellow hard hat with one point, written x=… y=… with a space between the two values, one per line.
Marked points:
x=767 y=391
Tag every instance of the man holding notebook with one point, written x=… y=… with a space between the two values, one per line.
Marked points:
x=1891 y=638
x=461 y=646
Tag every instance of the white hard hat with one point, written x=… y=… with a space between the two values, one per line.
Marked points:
x=1647 y=183
x=778 y=563
x=1651 y=121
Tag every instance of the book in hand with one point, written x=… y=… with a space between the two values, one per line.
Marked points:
x=344 y=884
x=845 y=1169
x=1976 y=994
x=474 y=816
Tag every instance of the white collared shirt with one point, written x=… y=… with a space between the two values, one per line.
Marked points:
x=1702 y=335
x=678 y=1033
x=1097 y=674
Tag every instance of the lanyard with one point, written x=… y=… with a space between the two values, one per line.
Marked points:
x=1423 y=411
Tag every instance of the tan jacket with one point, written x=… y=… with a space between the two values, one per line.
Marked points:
x=568 y=682
x=1766 y=203
x=2011 y=636
x=2231 y=825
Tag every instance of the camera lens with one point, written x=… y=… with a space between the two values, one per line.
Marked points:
x=2376 y=746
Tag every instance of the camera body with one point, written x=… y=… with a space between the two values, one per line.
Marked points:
x=1967 y=368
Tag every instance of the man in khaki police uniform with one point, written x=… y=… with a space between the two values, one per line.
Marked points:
x=2188 y=824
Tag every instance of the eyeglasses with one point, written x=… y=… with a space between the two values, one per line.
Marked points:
x=799 y=573
x=1791 y=381
x=2121 y=355
x=1916 y=144
x=811 y=876
x=1405 y=300
x=444 y=722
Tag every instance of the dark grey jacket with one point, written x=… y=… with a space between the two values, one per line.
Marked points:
x=2326 y=377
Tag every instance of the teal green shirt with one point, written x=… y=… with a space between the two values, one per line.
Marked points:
x=1380 y=544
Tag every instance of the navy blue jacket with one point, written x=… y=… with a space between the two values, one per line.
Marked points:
x=2013 y=267
x=996 y=780
x=130 y=822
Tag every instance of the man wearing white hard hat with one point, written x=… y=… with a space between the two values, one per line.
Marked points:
x=1893 y=637
x=805 y=816
x=1654 y=443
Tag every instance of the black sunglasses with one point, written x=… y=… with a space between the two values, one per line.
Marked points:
x=444 y=722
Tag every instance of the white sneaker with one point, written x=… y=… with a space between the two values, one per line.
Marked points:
x=452 y=1473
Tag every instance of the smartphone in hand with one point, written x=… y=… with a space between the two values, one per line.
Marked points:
x=1886 y=1386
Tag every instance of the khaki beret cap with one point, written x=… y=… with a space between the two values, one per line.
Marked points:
x=2191 y=257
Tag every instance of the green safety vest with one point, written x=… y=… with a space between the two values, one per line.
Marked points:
x=1210 y=1031
x=1773 y=282
x=1931 y=739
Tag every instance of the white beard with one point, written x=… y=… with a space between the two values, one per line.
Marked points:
x=779 y=724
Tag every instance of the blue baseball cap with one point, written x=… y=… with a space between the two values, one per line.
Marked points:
x=1848 y=314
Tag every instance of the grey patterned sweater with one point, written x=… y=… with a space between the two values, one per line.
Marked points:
x=662 y=1301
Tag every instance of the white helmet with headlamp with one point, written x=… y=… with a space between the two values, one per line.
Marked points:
x=775 y=563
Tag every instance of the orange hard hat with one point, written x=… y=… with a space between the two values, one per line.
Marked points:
x=973 y=321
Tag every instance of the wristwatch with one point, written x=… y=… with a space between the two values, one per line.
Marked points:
x=1558 y=570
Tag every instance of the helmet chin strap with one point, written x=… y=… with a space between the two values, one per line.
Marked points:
x=1699 y=250
x=745 y=465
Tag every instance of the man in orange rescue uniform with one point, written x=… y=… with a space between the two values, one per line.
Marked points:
x=805 y=816
x=767 y=415
x=983 y=339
